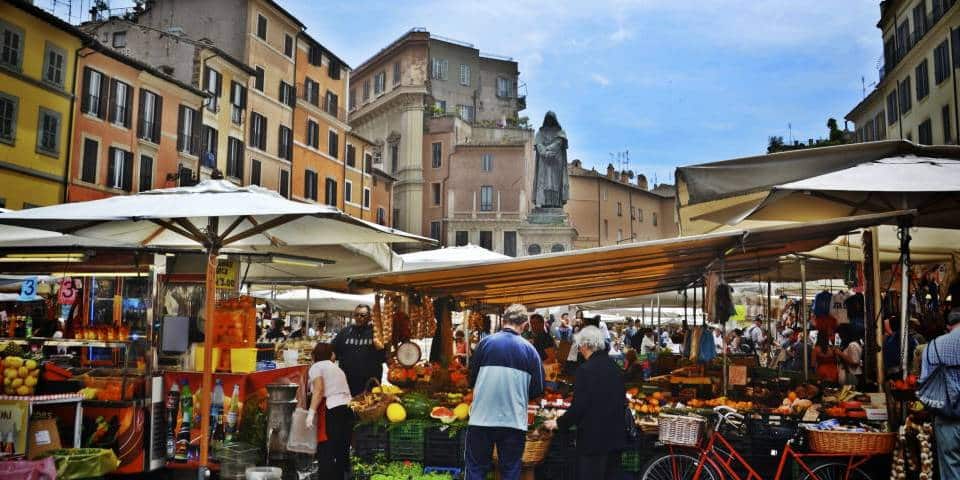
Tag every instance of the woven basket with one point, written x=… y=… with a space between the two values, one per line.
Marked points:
x=376 y=409
x=535 y=449
x=680 y=430
x=851 y=443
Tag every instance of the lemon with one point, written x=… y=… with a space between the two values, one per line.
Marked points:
x=376 y=390
x=31 y=364
x=30 y=381
x=15 y=362
x=10 y=372
x=462 y=411
x=7 y=381
x=23 y=390
x=17 y=382
x=22 y=372
x=396 y=413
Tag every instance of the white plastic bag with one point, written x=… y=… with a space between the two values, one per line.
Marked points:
x=303 y=437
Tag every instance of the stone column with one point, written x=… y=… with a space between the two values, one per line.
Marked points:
x=409 y=186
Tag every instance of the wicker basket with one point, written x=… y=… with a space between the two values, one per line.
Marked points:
x=680 y=429
x=851 y=443
x=535 y=449
x=375 y=409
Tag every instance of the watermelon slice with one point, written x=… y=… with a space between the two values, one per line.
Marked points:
x=443 y=414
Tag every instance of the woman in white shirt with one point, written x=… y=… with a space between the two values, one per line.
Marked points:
x=851 y=355
x=328 y=384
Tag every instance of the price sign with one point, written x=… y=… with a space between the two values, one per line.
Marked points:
x=68 y=292
x=227 y=276
x=28 y=289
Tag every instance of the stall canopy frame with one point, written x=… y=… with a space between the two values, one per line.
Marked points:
x=620 y=271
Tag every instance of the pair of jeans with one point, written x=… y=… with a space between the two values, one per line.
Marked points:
x=479 y=443
x=947 y=431
x=333 y=456
x=598 y=467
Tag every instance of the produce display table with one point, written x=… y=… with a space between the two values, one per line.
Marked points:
x=61 y=399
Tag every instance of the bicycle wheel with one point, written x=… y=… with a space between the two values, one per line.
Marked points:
x=677 y=466
x=834 y=471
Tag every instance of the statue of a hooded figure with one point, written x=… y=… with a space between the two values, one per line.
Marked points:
x=551 y=183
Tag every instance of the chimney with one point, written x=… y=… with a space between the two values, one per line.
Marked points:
x=625 y=176
x=610 y=171
x=642 y=182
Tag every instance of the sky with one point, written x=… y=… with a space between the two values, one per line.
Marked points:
x=672 y=82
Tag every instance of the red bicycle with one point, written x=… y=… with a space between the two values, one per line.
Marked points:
x=718 y=459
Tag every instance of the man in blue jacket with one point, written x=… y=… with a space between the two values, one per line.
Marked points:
x=505 y=372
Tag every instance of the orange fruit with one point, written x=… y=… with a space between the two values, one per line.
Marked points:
x=654 y=402
x=657 y=395
x=792 y=396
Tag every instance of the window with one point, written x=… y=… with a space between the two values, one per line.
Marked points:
x=439 y=69
x=925 y=133
x=288 y=45
x=151 y=114
x=919 y=20
x=285 y=183
x=262 y=27
x=234 y=157
x=288 y=94
x=461 y=238
x=464 y=75
x=238 y=102
x=285 y=143
x=208 y=148
x=510 y=244
x=892 y=115
x=606 y=230
x=441 y=106
x=923 y=80
x=48 y=132
x=54 y=62
x=146 y=173
x=315 y=56
x=905 y=96
x=533 y=249
x=640 y=215
x=435 y=228
x=503 y=87
x=394 y=157
x=435 y=190
x=619 y=235
x=619 y=209
x=556 y=248
x=331 y=103
x=486 y=198
x=185 y=176
x=11 y=46
x=311 y=91
x=119 y=39
x=437 y=158
x=88 y=167
x=333 y=144
x=213 y=84
x=348 y=191
x=654 y=219
x=941 y=62
x=188 y=131
x=396 y=73
x=945 y=118
x=310 y=185
x=258 y=131
x=313 y=134
x=486 y=239
x=120 y=169
x=486 y=162
x=366 y=90
x=366 y=197
x=330 y=192
x=351 y=156
x=465 y=112
x=381 y=216
x=95 y=91
x=121 y=99
x=333 y=68
x=880 y=125
x=8 y=118
x=353 y=98
x=258 y=79
x=379 y=83
x=254 y=172
x=633 y=213
x=903 y=38
x=368 y=163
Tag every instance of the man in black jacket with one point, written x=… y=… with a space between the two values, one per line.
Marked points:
x=599 y=400
x=359 y=358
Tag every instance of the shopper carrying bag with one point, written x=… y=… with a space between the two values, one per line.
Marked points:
x=303 y=433
x=329 y=388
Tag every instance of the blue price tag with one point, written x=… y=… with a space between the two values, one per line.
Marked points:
x=28 y=289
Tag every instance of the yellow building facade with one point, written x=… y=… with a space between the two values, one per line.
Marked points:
x=37 y=78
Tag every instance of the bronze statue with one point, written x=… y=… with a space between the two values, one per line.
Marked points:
x=551 y=183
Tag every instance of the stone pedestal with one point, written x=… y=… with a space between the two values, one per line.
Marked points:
x=547 y=230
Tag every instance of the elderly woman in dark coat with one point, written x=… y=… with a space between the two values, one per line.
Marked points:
x=597 y=410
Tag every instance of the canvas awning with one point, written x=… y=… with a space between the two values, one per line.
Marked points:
x=621 y=271
x=296 y=300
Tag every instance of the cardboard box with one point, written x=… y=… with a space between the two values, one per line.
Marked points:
x=42 y=436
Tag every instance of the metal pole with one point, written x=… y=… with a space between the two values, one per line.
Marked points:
x=770 y=311
x=306 y=318
x=904 y=234
x=805 y=317
x=658 y=311
x=210 y=290
x=695 y=306
x=643 y=315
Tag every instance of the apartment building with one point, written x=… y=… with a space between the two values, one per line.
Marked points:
x=38 y=52
x=135 y=128
x=262 y=35
x=616 y=208
x=224 y=79
x=915 y=97
x=423 y=73
x=367 y=192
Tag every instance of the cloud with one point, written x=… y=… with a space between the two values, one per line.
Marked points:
x=600 y=79
x=620 y=35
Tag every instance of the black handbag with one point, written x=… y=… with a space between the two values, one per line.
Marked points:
x=630 y=425
x=935 y=392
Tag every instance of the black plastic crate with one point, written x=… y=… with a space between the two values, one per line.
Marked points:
x=557 y=471
x=407 y=441
x=775 y=430
x=369 y=441
x=637 y=453
x=444 y=447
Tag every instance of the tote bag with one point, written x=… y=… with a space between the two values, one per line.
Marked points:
x=303 y=437
x=935 y=392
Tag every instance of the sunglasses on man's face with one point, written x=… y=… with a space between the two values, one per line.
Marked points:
x=363 y=314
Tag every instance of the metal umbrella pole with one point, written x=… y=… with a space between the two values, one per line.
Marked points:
x=904 y=234
x=306 y=318
x=805 y=316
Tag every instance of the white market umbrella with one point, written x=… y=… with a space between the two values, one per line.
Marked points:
x=213 y=214
x=298 y=300
x=449 y=256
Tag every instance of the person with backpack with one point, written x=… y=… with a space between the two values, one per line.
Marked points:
x=941 y=367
